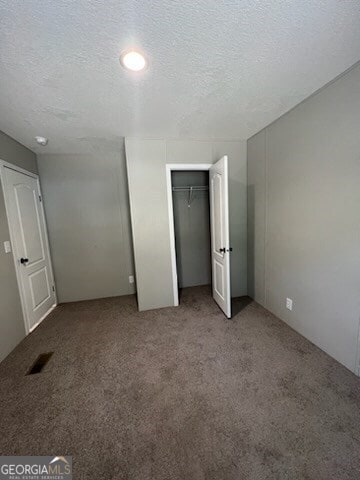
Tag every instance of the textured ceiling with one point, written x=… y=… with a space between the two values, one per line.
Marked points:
x=218 y=68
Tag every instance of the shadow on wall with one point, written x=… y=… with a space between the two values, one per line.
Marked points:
x=128 y=219
x=251 y=240
x=238 y=304
x=238 y=238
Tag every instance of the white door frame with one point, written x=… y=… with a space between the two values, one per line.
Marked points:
x=4 y=185
x=170 y=167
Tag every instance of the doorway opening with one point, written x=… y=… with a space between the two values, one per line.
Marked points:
x=191 y=206
x=189 y=249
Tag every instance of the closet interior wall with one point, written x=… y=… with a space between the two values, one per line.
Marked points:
x=192 y=228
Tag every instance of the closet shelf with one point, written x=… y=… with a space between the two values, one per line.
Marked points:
x=194 y=189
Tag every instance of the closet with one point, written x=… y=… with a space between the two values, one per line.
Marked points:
x=198 y=209
x=190 y=194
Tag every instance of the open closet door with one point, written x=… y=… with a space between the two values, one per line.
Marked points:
x=220 y=238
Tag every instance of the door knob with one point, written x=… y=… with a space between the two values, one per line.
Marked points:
x=222 y=250
x=24 y=260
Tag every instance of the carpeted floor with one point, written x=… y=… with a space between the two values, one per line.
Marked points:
x=180 y=393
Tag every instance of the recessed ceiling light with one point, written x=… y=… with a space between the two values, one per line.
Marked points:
x=133 y=60
x=42 y=141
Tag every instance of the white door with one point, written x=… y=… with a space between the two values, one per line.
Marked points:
x=220 y=238
x=30 y=244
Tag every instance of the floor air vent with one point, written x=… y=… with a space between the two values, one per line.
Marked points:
x=40 y=363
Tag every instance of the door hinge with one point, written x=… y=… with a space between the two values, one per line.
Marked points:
x=53 y=288
x=40 y=198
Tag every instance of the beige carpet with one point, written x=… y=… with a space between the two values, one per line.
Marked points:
x=180 y=393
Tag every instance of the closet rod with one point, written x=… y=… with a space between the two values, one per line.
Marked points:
x=195 y=188
x=191 y=190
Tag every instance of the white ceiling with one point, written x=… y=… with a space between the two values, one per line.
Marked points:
x=218 y=68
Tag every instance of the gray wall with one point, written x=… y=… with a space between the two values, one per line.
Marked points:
x=146 y=160
x=12 y=328
x=86 y=204
x=192 y=230
x=304 y=217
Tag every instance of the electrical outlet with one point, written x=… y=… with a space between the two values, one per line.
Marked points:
x=131 y=278
x=7 y=247
x=289 y=304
